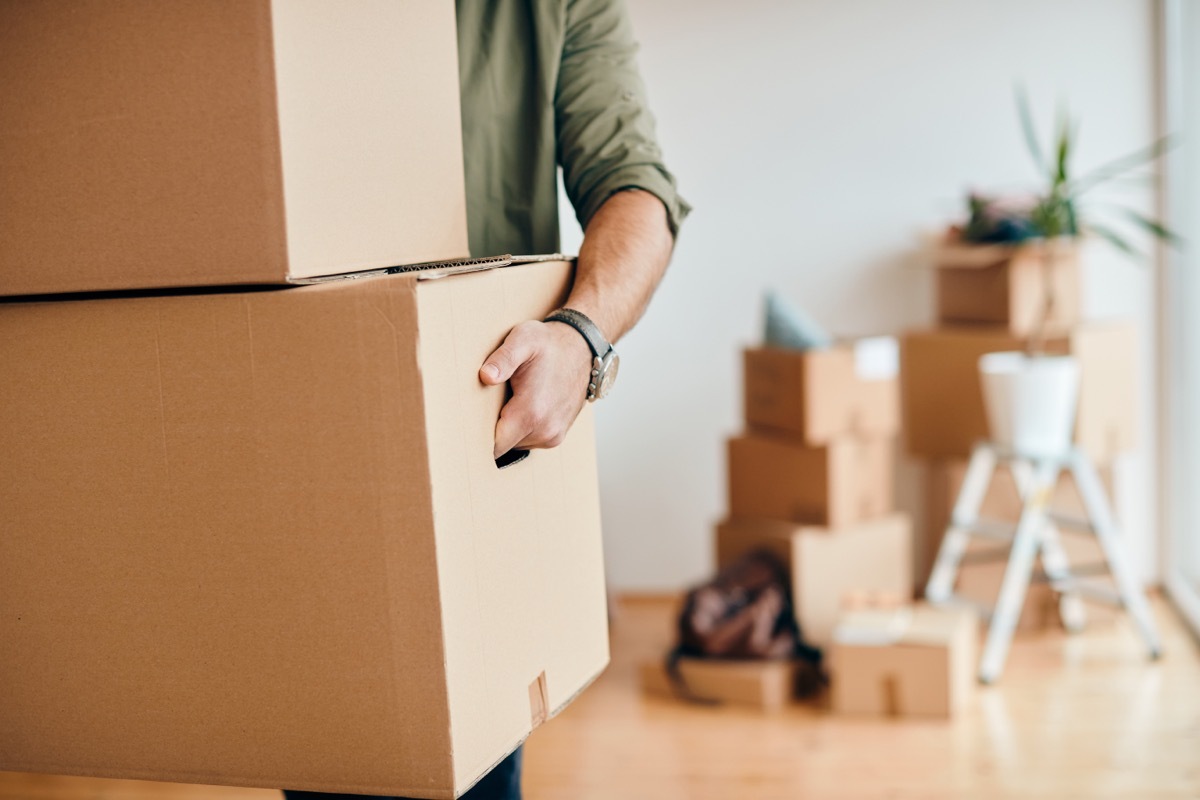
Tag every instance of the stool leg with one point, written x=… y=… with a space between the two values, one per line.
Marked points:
x=1071 y=608
x=940 y=585
x=1113 y=545
x=1025 y=546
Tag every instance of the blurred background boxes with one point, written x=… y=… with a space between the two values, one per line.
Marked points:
x=767 y=685
x=910 y=662
x=1002 y=286
x=825 y=565
x=819 y=395
x=944 y=415
x=847 y=481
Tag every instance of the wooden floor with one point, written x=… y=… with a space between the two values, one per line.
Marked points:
x=1082 y=717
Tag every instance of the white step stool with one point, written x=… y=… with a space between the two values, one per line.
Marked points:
x=1037 y=533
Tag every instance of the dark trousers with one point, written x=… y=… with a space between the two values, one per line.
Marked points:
x=502 y=783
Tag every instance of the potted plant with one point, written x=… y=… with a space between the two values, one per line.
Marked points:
x=1031 y=396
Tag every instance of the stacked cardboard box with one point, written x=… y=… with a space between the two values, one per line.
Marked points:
x=987 y=301
x=762 y=685
x=810 y=481
x=258 y=537
x=914 y=661
x=811 y=478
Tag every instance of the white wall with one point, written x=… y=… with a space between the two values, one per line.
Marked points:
x=817 y=140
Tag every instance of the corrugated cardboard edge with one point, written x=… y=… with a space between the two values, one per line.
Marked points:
x=439 y=269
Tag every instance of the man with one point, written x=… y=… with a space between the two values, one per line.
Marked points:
x=547 y=83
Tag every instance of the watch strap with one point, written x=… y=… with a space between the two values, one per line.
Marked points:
x=587 y=329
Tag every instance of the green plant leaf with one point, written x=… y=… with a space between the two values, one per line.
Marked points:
x=1028 y=129
x=1063 y=154
x=1123 y=164
x=1154 y=227
x=1114 y=238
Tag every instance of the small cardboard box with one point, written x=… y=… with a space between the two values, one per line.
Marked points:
x=824 y=565
x=260 y=539
x=980 y=581
x=206 y=143
x=820 y=395
x=765 y=685
x=942 y=397
x=912 y=662
x=842 y=483
x=1005 y=285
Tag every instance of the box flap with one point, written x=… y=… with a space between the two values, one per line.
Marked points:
x=873 y=627
x=958 y=255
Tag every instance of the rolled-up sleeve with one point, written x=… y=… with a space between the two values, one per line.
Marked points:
x=605 y=131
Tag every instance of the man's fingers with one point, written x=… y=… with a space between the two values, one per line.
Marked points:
x=508 y=357
x=512 y=427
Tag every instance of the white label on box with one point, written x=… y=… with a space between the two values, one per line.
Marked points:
x=873 y=628
x=877 y=358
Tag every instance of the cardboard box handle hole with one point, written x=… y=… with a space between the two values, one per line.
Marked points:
x=510 y=458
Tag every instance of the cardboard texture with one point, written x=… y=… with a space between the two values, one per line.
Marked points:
x=942 y=398
x=826 y=566
x=980 y=581
x=1003 y=285
x=927 y=670
x=839 y=484
x=818 y=395
x=225 y=142
x=259 y=538
x=764 y=685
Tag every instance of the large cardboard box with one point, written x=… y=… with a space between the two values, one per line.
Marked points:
x=942 y=399
x=1005 y=285
x=826 y=566
x=819 y=395
x=764 y=685
x=260 y=538
x=215 y=142
x=979 y=578
x=842 y=483
x=924 y=666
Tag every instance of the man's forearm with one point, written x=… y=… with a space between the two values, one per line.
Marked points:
x=626 y=249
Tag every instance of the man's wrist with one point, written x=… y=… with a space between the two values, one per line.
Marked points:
x=604 y=363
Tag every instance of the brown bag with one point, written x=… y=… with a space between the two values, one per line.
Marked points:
x=745 y=612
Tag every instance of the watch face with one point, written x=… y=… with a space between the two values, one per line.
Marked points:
x=608 y=374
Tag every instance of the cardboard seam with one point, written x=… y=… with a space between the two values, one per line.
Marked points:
x=479 y=594
x=407 y=292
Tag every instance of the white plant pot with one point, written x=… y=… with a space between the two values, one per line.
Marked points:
x=1031 y=401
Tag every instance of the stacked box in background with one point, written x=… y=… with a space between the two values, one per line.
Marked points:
x=988 y=298
x=259 y=537
x=811 y=478
x=911 y=661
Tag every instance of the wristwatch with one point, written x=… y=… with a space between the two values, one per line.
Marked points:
x=605 y=361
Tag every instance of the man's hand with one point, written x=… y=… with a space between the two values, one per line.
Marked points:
x=549 y=364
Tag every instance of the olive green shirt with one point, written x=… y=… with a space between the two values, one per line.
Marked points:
x=548 y=83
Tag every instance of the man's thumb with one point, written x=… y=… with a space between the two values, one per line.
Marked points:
x=508 y=357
